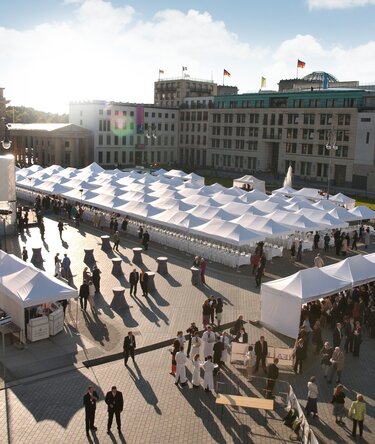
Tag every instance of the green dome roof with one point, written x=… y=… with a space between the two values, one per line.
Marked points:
x=317 y=76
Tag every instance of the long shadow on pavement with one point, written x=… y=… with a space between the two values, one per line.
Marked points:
x=144 y=388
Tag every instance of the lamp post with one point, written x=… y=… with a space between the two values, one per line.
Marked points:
x=330 y=146
x=6 y=142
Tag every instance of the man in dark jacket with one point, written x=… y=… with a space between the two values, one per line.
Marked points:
x=337 y=335
x=83 y=295
x=273 y=374
x=129 y=347
x=133 y=280
x=115 y=403
x=191 y=331
x=89 y=401
x=261 y=352
x=145 y=240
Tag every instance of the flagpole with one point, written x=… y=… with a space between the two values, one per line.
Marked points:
x=159 y=75
x=223 y=78
x=297 y=70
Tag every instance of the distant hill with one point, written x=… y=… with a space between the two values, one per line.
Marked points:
x=23 y=114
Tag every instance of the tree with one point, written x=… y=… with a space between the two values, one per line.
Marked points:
x=23 y=114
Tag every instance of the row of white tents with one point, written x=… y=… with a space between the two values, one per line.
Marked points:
x=282 y=299
x=180 y=202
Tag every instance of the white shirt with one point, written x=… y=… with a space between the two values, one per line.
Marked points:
x=312 y=390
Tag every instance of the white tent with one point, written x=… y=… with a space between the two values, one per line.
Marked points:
x=253 y=196
x=296 y=221
x=282 y=299
x=310 y=193
x=355 y=269
x=251 y=181
x=363 y=212
x=22 y=286
x=286 y=191
x=324 y=205
x=264 y=225
x=341 y=213
x=341 y=199
x=192 y=177
x=175 y=173
x=325 y=220
x=92 y=168
x=227 y=233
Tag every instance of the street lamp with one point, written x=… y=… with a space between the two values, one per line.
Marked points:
x=330 y=146
x=151 y=133
x=6 y=142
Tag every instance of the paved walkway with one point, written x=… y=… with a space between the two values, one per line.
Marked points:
x=46 y=381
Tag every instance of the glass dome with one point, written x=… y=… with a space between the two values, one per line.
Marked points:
x=317 y=76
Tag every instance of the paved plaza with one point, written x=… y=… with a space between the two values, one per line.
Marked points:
x=43 y=384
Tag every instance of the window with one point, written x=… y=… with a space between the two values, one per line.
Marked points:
x=308 y=119
x=307 y=148
x=253 y=131
x=146 y=113
x=259 y=104
x=240 y=131
x=292 y=119
x=131 y=125
x=322 y=169
x=349 y=103
x=291 y=133
x=326 y=119
x=100 y=155
x=298 y=103
x=116 y=112
x=365 y=119
x=123 y=156
x=100 y=125
x=280 y=119
x=108 y=157
x=367 y=137
x=132 y=113
x=291 y=148
x=116 y=141
x=305 y=169
x=265 y=119
x=131 y=140
x=240 y=118
x=100 y=142
x=307 y=134
x=313 y=103
x=108 y=139
x=124 y=140
x=252 y=146
x=131 y=157
x=254 y=118
x=343 y=119
x=108 y=112
x=115 y=157
x=100 y=114
x=228 y=118
x=124 y=113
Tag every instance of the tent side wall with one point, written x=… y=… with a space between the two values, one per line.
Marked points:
x=279 y=311
x=15 y=310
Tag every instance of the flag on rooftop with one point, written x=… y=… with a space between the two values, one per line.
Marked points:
x=300 y=64
x=161 y=71
x=263 y=82
x=226 y=73
x=184 y=68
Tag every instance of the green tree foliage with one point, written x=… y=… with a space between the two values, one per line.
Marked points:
x=23 y=114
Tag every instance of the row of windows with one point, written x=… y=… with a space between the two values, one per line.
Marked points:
x=236 y=144
x=193 y=115
x=129 y=140
x=308 y=149
x=278 y=119
x=234 y=161
x=309 y=134
x=110 y=112
x=127 y=157
x=309 y=168
x=283 y=103
x=194 y=127
x=198 y=140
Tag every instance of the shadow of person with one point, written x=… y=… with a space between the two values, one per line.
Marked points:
x=144 y=388
x=45 y=245
x=23 y=238
x=158 y=298
x=64 y=244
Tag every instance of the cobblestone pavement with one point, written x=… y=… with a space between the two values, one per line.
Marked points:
x=46 y=381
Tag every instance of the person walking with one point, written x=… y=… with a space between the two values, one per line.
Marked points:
x=143 y=280
x=272 y=375
x=86 y=275
x=203 y=266
x=191 y=332
x=337 y=335
x=66 y=267
x=42 y=230
x=115 y=403
x=337 y=366
x=299 y=355
x=218 y=349
x=174 y=351
x=208 y=339
x=96 y=278
x=250 y=360
x=355 y=240
x=260 y=270
x=357 y=339
x=91 y=296
x=60 y=227
x=140 y=232
x=145 y=240
x=299 y=252
x=83 y=295
x=116 y=241
x=318 y=261
x=338 y=401
x=316 y=240
x=57 y=265
x=348 y=329
x=312 y=397
x=133 y=280
x=25 y=254
x=208 y=381
x=226 y=341
x=89 y=401
x=181 y=338
x=181 y=360
x=196 y=378
x=196 y=343
x=357 y=413
x=327 y=240
x=129 y=347
x=326 y=355
x=261 y=352
x=366 y=235
x=206 y=313
x=219 y=311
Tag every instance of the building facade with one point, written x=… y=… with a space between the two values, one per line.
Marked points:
x=127 y=135
x=51 y=143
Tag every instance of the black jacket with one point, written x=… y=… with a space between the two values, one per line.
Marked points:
x=273 y=371
x=134 y=277
x=127 y=342
x=88 y=402
x=84 y=291
x=245 y=338
x=116 y=401
x=258 y=349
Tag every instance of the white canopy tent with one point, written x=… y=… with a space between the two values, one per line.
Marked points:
x=286 y=191
x=23 y=286
x=341 y=199
x=251 y=181
x=282 y=299
x=355 y=269
x=192 y=177
x=363 y=212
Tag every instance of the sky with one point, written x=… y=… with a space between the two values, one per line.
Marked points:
x=57 y=51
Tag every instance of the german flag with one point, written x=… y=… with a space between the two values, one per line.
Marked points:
x=226 y=73
x=300 y=64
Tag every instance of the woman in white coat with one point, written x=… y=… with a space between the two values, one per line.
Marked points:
x=181 y=360
x=196 y=343
x=196 y=379
x=225 y=340
x=209 y=340
x=208 y=367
